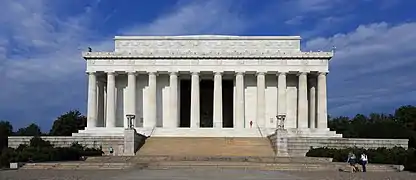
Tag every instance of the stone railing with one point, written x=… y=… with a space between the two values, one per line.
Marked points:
x=299 y=146
x=117 y=143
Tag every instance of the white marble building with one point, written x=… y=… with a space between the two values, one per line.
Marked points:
x=207 y=86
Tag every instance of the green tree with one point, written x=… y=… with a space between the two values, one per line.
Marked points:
x=68 y=123
x=6 y=130
x=31 y=130
x=407 y=116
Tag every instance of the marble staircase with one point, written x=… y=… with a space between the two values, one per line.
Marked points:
x=206 y=146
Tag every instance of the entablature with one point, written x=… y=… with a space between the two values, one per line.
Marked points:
x=283 y=65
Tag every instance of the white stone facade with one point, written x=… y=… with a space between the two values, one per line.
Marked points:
x=270 y=75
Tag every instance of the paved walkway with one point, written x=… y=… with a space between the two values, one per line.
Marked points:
x=194 y=174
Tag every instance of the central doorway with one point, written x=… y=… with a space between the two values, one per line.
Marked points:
x=206 y=93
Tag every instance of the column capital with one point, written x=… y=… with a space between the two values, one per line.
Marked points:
x=239 y=73
x=91 y=72
x=281 y=73
x=195 y=72
x=218 y=72
x=322 y=73
x=260 y=73
x=131 y=73
x=111 y=72
x=302 y=73
x=152 y=73
x=173 y=73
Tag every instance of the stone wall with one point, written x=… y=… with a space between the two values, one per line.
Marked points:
x=300 y=146
x=64 y=141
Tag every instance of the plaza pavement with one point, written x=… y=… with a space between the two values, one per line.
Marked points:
x=196 y=174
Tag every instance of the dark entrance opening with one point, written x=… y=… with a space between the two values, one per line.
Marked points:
x=206 y=93
x=227 y=103
x=185 y=103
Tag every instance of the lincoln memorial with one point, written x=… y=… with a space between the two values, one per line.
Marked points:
x=207 y=86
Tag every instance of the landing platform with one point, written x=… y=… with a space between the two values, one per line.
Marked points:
x=206 y=132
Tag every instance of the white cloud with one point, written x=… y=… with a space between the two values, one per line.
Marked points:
x=41 y=68
x=213 y=16
x=373 y=66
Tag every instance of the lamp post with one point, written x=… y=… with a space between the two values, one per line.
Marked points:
x=130 y=118
x=281 y=121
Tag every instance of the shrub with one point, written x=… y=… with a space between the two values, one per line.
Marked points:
x=40 y=150
x=410 y=162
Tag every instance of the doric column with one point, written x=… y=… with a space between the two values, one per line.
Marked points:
x=111 y=98
x=131 y=97
x=303 y=101
x=92 y=100
x=195 y=111
x=281 y=99
x=173 y=106
x=218 y=100
x=312 y=102
x=261 y=106
x=151 y=104
x=322 y=114
x=239 y=96
x=101 y=104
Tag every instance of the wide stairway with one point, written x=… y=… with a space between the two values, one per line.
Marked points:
x=207 y=146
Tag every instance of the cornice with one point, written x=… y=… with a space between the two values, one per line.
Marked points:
x=220 y=54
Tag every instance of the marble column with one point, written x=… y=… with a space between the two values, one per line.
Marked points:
x=150 y=122
x=131 y=97
x=239 y=102
x=261 y=106
x=312 y=102
x=217 y=100
x=92 y=100
x=111 y=98
x=173 y=103
x=101 y=104
x=303 y=101
x=281 y=98
x=322 y=114
x=195 y=100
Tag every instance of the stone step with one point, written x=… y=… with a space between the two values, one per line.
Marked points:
x=271 y=159
x=264 y=166
x=207 y=146
x=76 y=165
x=241 y=165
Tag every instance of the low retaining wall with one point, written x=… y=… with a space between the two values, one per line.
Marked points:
x=300 y=146
x=105 y=142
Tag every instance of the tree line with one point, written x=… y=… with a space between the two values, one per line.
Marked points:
x=64 y=125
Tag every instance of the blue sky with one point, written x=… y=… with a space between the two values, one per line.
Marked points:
x=42 y=74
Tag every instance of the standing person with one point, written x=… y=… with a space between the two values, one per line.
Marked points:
x=364 y=161
x=111 y=150
x=352 y=160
